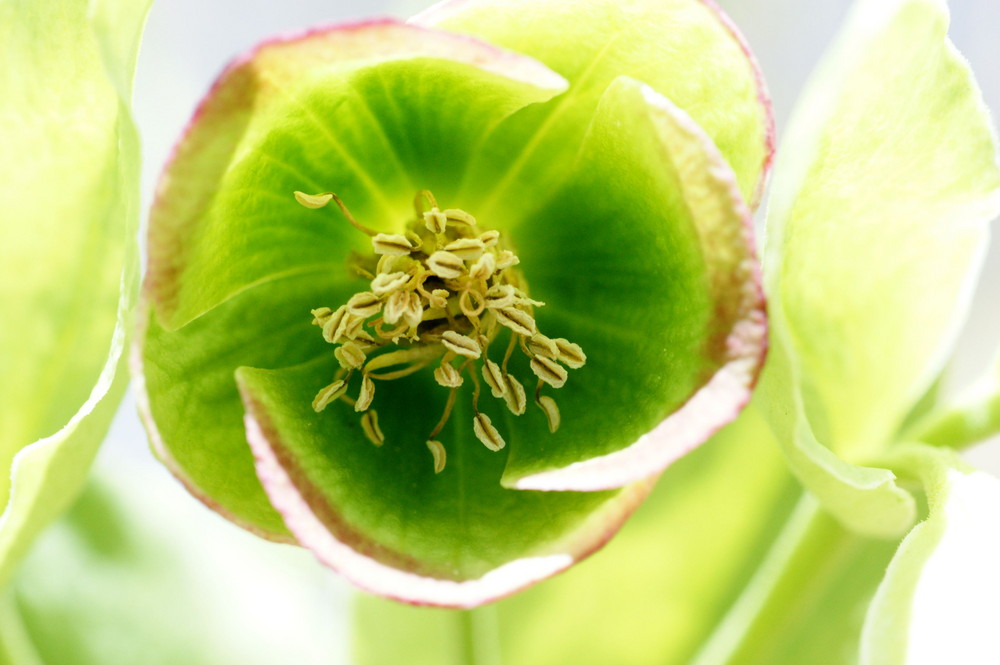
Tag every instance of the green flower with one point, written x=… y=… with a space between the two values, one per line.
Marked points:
x=534 y=267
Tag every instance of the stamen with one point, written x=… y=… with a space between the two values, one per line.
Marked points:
x=460 y=344
x=549 y=371
x=367 y=394
x=329 y=394
x=570 y=353
x=391 y=244
x=438 y=453
x=548 y=406
x=445 y=265
x=369 y=425
x=313 y=201
x=487 y=433
x=517 y=320
x=440 y=289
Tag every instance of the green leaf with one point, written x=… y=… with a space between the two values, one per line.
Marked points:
x=878 y=221
x=939 y=599
x=382 y=517
x=653 y=595
x=69 y=171
x=684 y=49
x=376 y=111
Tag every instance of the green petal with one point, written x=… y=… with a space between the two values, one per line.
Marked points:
x=864 y=499
x=685 y=49
x=939 y=601
x=653 y=595
x=643 y=258
x=878 y=221
x=187 y=395
x=973 y=416
x=69 y=195
x=374 y=111
x=380 y=515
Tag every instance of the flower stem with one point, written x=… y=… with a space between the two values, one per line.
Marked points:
x=479 y=632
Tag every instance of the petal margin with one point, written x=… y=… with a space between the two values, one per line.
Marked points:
x=698 y=189
x=288 y=116
x=345 y=542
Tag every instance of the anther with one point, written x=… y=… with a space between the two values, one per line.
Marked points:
x=438 y=453
x=494 y=378
x=391 y=244
x=387 y=283
x=549 y=371
x=364 y=304
x=435 y=221
x=369 y=424
x=515 y=397
x=517 y=320
x=570 y=353
x=541 y=345
x=329 y=394
x=467 y=249
x=350 y=355
x=484 y=267
x=366 y=395
x=460 y=344
x=548 y=406
x=447 y=376
x=313 y=201
x=445 y=265
x=487 y=433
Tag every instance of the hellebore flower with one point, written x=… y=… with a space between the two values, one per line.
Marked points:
x=467 y=225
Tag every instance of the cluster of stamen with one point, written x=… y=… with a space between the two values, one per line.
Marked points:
x=441 y=292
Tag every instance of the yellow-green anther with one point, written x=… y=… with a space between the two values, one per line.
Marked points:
x=489 y=238
x=335 y=324
x=447 y=376
x=516 y=319
x=484 y=267
x=549 y=371
x=445 y=265
x=386 y=283
x=395 y=306
x=487 y=433
x=507 y=259
x=494 y=378
x=548 y=405
x=350 y=355
x=438 y=299
x=460 y=344
x=570 y=353
x=354 y=329
x=369 y=425
x=328 y=394
x=313 y=201
x=460 y=216
x=500 y=295
x=515 y=397
x=541 y=345
x=435 y=220
x=320 y=315
x=366 y=395
x=523 y=299
x=391 y=244
x=467 y=249
x=364 y=304
x=438 y=453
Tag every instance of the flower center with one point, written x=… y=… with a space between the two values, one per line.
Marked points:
x=441 y=292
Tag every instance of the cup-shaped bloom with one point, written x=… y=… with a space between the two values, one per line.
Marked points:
x=439 y=310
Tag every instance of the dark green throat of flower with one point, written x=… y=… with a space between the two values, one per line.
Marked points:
x=440 y=294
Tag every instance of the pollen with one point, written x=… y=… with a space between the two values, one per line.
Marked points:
x=437 y=297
